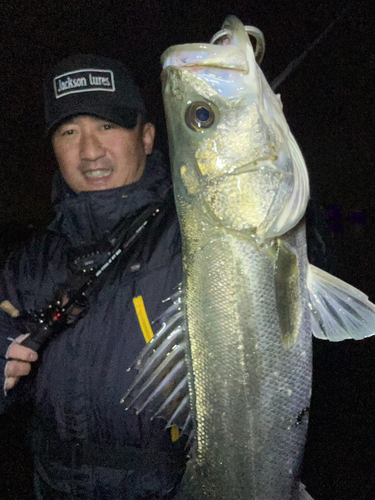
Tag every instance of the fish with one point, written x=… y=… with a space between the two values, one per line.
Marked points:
x=250 y=301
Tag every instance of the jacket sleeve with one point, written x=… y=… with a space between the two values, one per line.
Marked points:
x=8 y=332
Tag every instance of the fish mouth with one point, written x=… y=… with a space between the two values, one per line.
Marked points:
x=226 y=50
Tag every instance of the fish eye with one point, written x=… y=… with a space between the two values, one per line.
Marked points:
x=199 y=116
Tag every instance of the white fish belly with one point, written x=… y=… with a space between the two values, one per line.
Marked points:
x=249 y=391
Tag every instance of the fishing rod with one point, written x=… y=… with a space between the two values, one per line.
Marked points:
x=293 y=65
x=66 y=311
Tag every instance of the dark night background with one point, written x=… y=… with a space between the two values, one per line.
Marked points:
x=330 y=106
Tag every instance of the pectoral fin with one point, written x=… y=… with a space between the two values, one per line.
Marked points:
x=338 y=310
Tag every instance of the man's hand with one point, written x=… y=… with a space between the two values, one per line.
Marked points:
x=19 y=364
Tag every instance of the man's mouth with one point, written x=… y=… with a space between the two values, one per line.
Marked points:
x=97 y=174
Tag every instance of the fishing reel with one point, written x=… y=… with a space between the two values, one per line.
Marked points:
x=42 y=325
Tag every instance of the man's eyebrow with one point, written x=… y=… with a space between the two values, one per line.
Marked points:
x=69 y=121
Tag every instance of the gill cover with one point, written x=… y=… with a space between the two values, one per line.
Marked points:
x=294 y=205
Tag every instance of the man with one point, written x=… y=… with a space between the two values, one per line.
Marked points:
x=85 y=445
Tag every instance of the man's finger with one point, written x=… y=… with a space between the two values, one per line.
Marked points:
x=17 y=351
x=17 y=369
x=10 y=382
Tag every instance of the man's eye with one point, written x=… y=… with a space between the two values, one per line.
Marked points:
x=110 y=126
x=67 y=132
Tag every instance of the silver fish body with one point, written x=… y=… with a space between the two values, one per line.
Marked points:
x=246 y=299
x=250 y=391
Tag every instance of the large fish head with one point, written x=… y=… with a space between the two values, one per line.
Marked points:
x=230 y=145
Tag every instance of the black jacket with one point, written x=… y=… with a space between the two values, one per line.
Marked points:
x=85 y=444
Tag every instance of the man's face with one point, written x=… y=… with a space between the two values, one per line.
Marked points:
x=94 y=154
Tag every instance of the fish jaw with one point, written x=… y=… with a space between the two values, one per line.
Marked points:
x=248 y=144
x=228 y=54
x=229 y=69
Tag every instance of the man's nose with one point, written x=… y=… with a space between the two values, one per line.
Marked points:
x=91 y=147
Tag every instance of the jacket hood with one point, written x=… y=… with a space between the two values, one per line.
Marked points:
x=86 y=217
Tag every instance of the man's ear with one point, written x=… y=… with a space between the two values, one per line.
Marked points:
x=148 y=134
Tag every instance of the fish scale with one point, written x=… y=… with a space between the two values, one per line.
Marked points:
x=229 y=290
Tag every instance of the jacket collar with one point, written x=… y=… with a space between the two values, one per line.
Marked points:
x=85 y=218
